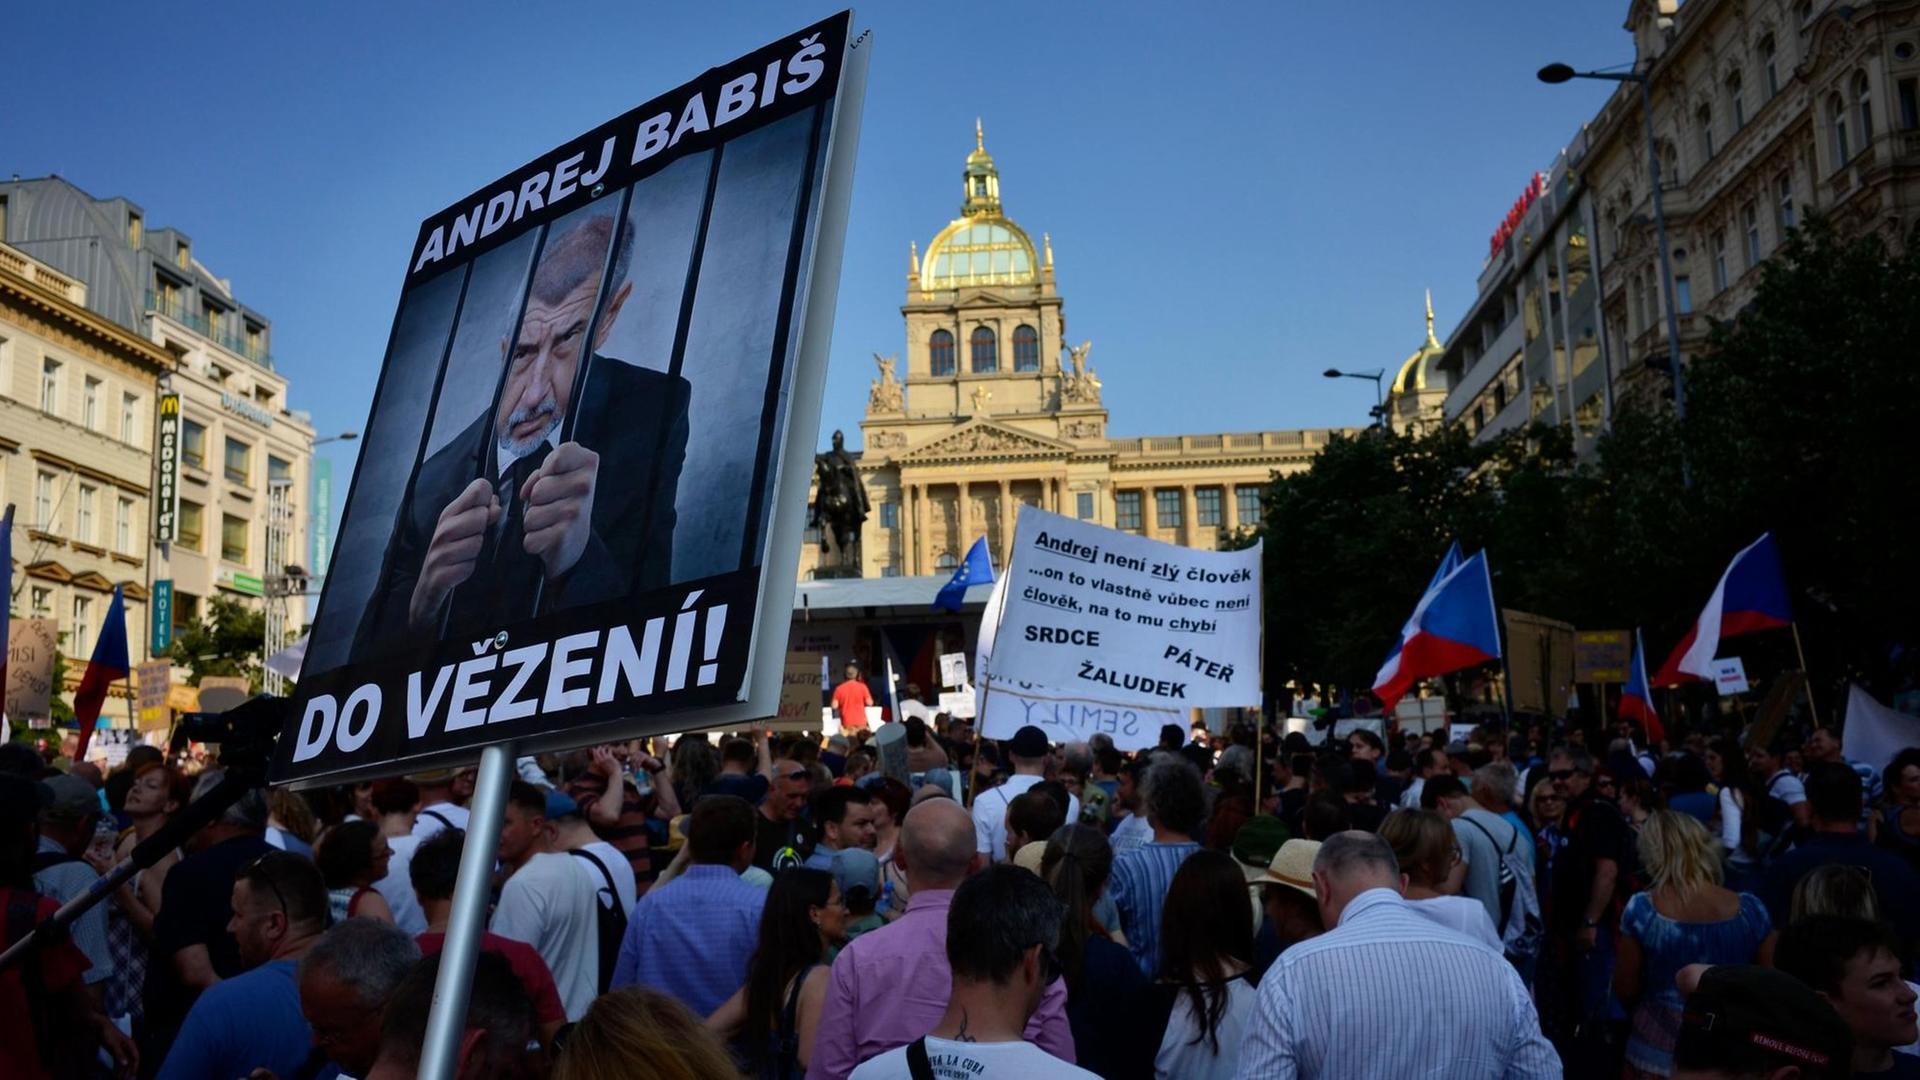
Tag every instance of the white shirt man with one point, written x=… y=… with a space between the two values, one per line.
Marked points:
x=1028 y=748
x=550 y=902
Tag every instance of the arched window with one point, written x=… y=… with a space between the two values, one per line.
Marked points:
x=1703 y=123
x=946 y=561
x=940 y=352
x=986 y=353
x=1026 y=349
x=1837 y=117
x=1735 y=101
x=1863 y=105
x=1770 y=66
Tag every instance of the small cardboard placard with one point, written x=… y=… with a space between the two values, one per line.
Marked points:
x=1730 y=676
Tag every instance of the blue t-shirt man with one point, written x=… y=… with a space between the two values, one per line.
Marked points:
x=244 y=1023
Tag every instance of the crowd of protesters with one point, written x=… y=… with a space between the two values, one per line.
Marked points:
x=1542 y=901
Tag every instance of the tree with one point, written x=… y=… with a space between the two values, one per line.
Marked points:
x=229 y=642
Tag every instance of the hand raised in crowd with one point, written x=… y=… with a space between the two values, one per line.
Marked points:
x=606 y=763
x=559 y=507
x=451 y=554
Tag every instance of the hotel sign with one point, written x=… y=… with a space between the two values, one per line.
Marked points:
x=166 y=484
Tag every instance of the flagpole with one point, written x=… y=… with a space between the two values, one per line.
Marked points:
x=1802 y=654
x=1260 y=728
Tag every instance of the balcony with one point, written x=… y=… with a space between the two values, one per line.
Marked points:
x=174 y=306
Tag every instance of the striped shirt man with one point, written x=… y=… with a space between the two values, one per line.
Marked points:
x=1139 y=886
x=1390 y=993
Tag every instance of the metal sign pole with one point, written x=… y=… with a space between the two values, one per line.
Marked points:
x=440 y=1053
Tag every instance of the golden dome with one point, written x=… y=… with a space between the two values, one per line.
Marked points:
x=982 y=246
x=1414 y=371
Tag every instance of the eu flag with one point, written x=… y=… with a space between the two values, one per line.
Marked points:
x=977 y=569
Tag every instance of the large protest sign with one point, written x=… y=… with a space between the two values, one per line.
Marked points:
x=1118 y=617
x=582 y=483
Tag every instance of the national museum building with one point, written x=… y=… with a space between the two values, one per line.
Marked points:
x=994 y=410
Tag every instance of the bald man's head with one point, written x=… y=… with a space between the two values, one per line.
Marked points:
x=936 y=846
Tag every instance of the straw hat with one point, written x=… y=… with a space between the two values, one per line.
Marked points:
x=1292 y=866
x=1030 y=855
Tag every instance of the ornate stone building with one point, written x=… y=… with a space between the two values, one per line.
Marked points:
x=994 y=409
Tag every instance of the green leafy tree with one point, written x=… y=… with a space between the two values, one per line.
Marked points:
x=228 y=642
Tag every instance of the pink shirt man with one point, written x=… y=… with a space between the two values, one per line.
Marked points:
x=890 y=986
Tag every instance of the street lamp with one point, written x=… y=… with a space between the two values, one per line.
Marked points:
x=1554 y=74
x=345 y=436
x=1379 y=394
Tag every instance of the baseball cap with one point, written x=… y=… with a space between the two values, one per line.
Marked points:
x=560 y=804
x=1257 y=842
x=70 y=798
x=1028 y=742
x=856 y=868
x=1749 y=1016
x=1292 y=866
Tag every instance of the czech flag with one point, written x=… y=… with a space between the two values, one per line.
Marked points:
x=1751 y=596
x=1448 y=563
x=977 y=569
x=1636 y=698
x=1454 y=626
x=108 y=666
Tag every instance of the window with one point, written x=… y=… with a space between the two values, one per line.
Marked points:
x=940 y=352
x=135 y=234
x=129 y=418
x=1166 y=509
x=80 y=643
x=1783 y=202
x=1026 y=349
x=946 y=561
x=90 y=403
x=1246 y=499
x=278 y=470
x=6 y=367
x=1750 y=225
x=83 y=514
x=193 y=444
x=123 y=525
x=811 y=535
x=1083 y=505
x=192 y=521
x=1206 y=506
x=43 y=502
x=256 y=342
x=1126 y=510
x=42 y=600
x=1837 y=119
x=181 y=255
x=986 y=354
x=1719 y=260
x=1703 y=120
x=889 y=515
x=890 y=570
x=186 y=612
x=1735 y=104
x=50 y=386
x=1683 y=294
x=239 y=461
x=233 y=538
x=1769 y=66
x=213 y=316
x=1863 y=106
x=1908 y=93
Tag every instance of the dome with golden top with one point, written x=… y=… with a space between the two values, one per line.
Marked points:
x=981 y=246
x=1418 y=368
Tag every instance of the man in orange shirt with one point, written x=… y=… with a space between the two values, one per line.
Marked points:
x=851 y=699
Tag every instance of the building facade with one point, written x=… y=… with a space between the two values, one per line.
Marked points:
x=993 y=409
x=77 y=396
x=245 y=455
x=1763 y=111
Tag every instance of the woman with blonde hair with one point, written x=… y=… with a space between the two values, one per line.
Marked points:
x=1429 y=855
x=635 y=1030
x=1685 y=916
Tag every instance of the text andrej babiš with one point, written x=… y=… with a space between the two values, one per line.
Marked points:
x=504 y=682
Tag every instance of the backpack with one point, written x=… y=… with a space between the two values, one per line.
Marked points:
x=1520 y=922
x=612 y=922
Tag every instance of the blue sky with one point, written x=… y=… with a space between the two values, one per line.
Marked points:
x=1237 y=201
